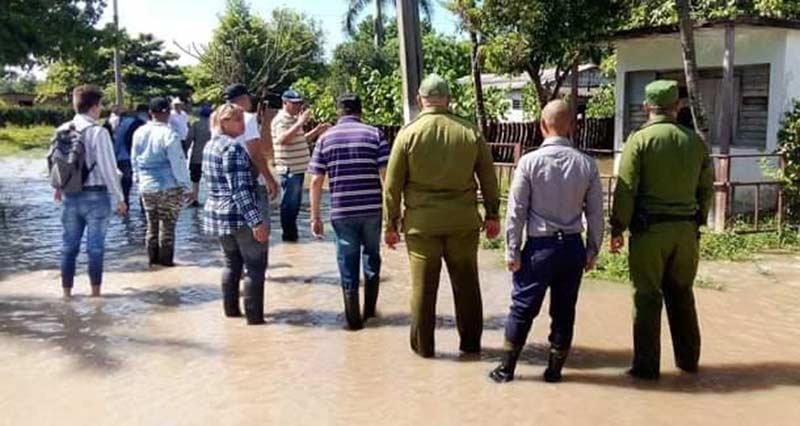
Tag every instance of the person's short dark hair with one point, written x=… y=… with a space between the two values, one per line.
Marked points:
x=86 y=97
x=235 y=91
x=142 y=108
x=159 y=105
x=349 y=104
x=683 y=92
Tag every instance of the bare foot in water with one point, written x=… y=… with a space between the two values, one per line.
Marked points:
x=67 y=293
x=95 y=291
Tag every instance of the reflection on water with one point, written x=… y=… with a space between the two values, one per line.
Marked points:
x=156 y=349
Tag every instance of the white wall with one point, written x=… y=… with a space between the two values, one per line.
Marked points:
x=754 y=45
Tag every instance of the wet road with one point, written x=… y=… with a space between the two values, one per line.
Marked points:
x=156 y=349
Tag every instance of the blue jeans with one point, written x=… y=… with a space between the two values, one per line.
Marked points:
x=554 y=263
x=358 y=239
x=292 y=185
x=87 y=210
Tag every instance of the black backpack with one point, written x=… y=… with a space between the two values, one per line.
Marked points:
x=66 y=160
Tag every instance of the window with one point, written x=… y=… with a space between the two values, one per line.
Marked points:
x=516 y=104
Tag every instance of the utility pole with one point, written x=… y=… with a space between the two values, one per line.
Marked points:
x=410 y=55
x=117 y=73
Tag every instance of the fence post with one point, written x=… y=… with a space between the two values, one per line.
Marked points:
x=721 y=200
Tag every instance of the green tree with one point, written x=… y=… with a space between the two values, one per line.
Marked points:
x=265 y=56
x=527 y=36
x=148 y=70
x=356 y=7
x=34 y=31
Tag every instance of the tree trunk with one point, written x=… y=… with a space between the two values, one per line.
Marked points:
x=536 y=79
x=378 y=24
x=690 y=67
x=480 y=107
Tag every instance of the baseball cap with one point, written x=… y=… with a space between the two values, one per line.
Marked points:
x=661 y=93
x=434 y=86
x=159 y=104
x=292 y=95
x=235 y=90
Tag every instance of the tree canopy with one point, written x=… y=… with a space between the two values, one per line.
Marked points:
x=40 y=31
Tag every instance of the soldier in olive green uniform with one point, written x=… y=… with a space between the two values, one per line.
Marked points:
x=433 y=168
x=663 y=194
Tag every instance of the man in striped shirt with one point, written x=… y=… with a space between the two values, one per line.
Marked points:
x=292 y=157
x=354 y=156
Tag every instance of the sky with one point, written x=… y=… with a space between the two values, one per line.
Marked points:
x=192 y=21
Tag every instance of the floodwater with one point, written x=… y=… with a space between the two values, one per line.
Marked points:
x=157 y=350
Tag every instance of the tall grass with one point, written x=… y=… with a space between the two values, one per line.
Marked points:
x=15 y=140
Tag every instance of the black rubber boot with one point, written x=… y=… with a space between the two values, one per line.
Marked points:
x=253 y=303
x=555 y=362
x=230 y=299
x=505 y=371
x=352 y=310
x=166 y=255
x=371 y=290
x=152 y=254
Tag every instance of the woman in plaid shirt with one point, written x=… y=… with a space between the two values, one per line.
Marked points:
x=232 y=214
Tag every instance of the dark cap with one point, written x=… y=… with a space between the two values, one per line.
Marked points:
x=235 y=90
x=349 y=103
x=292 y=95
x=159 y=104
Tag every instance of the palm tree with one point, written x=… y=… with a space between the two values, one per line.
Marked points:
x=355 y=7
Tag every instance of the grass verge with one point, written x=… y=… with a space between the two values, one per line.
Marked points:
x=17 y=140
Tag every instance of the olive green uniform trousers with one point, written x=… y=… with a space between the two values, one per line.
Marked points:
x=459 y=249
x=663 y=264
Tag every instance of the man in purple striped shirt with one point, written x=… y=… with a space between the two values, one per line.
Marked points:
x=353 y=155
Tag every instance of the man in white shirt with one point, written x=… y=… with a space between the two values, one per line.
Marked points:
x=179 y=121
x=89 y=209
x=256 y=147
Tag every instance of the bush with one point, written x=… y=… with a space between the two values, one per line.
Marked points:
x=789 y=146
x=32 y=116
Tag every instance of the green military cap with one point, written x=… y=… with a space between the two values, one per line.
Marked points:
x=661 y=93
x=434 y=86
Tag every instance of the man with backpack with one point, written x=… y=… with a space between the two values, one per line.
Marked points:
x=123 y=141
x=84 y=174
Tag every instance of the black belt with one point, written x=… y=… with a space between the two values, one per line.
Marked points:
x=558 y=235
x=668 y=218
x=95 y=188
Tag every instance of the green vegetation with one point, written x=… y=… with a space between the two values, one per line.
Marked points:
x=15 y=140
x=32 y=116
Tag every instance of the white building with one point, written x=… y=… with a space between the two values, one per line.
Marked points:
x=766 y=81
x=589 y=79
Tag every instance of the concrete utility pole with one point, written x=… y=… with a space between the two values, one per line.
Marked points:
x=410 y=55
x=117 y=73
x=725 y=130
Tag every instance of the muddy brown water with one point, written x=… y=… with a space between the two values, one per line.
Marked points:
x=156 y=349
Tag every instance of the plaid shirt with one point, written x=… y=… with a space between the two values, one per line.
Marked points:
x=231 y=202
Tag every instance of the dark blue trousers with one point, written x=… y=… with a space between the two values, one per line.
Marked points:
x=555 y=263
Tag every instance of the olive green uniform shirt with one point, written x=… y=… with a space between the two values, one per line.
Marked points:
x=665 y=169
x=433 y=168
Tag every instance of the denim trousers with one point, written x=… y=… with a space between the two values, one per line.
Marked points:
x=243 y=254
x=292 y=186
x=84 y=211
x=556 y=263
x=358 y=240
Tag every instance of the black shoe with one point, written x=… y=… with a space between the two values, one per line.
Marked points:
x=555 y=362
x=505 y=371
x=165 y=256
x=152 y=254
x=352 y=311
x=644 y=375
x=371 y=290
